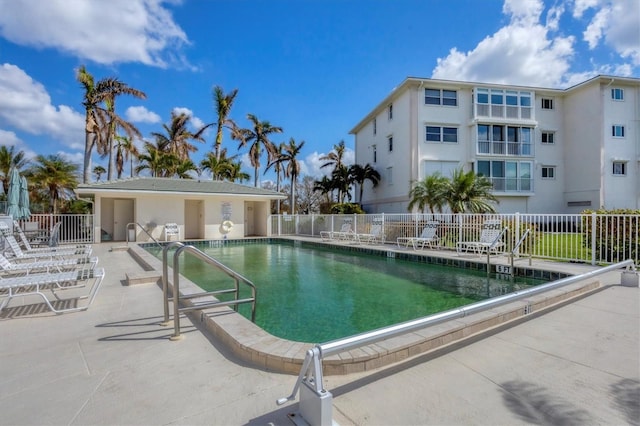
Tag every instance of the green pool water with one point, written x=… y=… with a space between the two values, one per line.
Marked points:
x=315 y=294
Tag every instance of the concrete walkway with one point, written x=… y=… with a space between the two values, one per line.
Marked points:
x=114 y=364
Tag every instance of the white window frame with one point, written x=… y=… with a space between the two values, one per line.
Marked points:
x=390 y=112
x=617 y=131
x=375 y=153
x=375 y=126
x=441 y=134
x=617 y=94
x=548 y=102
x=443 y=100
x=390 y=143
x=548 y=169
x=389 y=175
x=548 y=133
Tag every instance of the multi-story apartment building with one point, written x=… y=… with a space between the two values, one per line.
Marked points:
x=545 y=150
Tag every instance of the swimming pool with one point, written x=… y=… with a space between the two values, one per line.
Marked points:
x=315 y=294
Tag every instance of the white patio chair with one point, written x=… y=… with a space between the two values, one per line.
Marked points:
x=375 y=235
x=51 y=240
x=170 y=230
x=428 y=237
x=37 y=284
x=26 y=268
x=45 y=252
x=491 y=229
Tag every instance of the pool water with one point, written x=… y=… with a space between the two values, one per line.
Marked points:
x=316 y=294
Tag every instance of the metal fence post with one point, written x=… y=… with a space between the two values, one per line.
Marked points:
x=593 y=237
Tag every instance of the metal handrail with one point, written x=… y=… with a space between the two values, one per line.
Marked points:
x=176 y=286
x=143 y=230
x=311 y=372
x=492 y=246
x=515 y=249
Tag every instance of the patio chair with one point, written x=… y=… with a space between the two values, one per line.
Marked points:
x=50 y=240
x=374 y=235
x=45 y=252
x=345 y=233
x=428 y=237
x=26 y=268
x=491 y=229
x=57 y=282
x=170 y=230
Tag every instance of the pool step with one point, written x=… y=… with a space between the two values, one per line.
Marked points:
x=146 y=277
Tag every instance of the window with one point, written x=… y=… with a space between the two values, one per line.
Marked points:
x=507 y=175
x=548 y=138
x=390 y=140
x=375 y=126
x=547 y=103
x=441 y=134
x=390 y=112
x=548 y=172
x=617 y=94
x=617 y=131
x=375 y=153
x=389 y=175
x=440 y=97
x=504 y=140
x=619 y=168
x=445 y=168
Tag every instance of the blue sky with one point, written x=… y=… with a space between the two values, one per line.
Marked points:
x=312 y=67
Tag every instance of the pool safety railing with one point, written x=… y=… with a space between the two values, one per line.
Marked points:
x=177 y=310
x=134 y=224
x=316 y=407
x=492 y=247
x=516 y=249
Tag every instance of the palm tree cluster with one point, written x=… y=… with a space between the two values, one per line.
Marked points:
x=464 y=192
x=342 y=177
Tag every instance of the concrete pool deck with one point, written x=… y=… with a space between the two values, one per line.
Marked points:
x=114 y=364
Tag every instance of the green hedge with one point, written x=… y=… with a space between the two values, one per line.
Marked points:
x=619 y=229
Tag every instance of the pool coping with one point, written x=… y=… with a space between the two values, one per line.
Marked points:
x=260 y=349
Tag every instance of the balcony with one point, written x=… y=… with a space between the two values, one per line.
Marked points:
x=505 y=148
x=501 y=184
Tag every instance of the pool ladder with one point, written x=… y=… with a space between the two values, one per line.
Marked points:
x=177 y=310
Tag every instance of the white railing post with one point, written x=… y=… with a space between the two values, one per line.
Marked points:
x=593 y=237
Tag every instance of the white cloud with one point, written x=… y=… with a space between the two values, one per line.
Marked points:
x=8 y=138
x=26 y=106
x=311 y=165
x=140 y=114
x=122 y=31
x=522 y=52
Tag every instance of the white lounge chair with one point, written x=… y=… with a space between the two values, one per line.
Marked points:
x=428 y=237
x=36 y=284
x=50 y=241
x=375 y=235
x=25 y=268
x=345 y=233
x=171 y=230
x=490 y=231
x=44 y=253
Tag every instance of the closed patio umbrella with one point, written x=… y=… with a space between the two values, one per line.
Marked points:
x=13 y=195
x=25 y=210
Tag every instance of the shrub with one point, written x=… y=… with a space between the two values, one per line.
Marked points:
x=616 y=233
x=347 y=208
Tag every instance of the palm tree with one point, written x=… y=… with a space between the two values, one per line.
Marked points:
x=430 y=192
x=182 y=169
x=223 y=104
x=292 y=170
x=55 y=176
x=115 y=122
x=277 y=166
x=177 y=136
x=237 y=174
x=334 y=158
x=126 y=149
x=359 y=174
x=468 y=192
x=156 y=159
x=258 y=138
x=106 y=89
x=8 y=159
x=99 y=171
x=220 y=168
x=341 y=182
x=325 y=186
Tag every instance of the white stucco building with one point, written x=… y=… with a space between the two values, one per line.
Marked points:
x=545 y=150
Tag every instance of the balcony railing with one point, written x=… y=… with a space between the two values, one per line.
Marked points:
x=512 y=184
x=505 y=148
x=503 y=111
